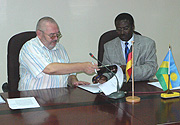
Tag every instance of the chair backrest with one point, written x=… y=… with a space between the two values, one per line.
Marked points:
x=106 y=37
x=14 y=46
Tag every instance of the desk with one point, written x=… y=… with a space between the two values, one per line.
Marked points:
x=76 y=106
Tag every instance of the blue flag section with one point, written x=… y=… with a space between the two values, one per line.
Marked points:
x=174 y=74
x=163 y=75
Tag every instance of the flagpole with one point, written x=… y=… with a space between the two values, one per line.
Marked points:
x=168 y=90
x=132 y=69
x=169 y=68
x=133 y=98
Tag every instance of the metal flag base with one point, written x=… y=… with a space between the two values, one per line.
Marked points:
x=133 y=99
x=116 y=95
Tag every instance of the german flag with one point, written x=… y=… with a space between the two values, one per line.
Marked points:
x=129 y=65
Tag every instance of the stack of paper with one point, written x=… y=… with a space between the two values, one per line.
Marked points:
x=23 y=103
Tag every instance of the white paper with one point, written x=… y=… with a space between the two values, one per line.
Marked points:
x=23 y=103
x=158 y=85
x=91 y=88
x=108 y=87
x=2 y=100
x=111 y=85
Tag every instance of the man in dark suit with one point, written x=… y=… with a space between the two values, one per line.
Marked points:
x=145 y=59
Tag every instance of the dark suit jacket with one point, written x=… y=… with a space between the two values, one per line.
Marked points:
x=145 y=59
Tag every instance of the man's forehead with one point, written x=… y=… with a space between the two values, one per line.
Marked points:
x=122 y=23
x=49 y=27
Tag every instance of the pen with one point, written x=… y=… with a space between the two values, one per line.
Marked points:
x=94 y=69
x=94 y=79
x=97 y=77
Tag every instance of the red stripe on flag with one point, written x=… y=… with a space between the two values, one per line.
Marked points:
x=129 y=65
x=129 y=56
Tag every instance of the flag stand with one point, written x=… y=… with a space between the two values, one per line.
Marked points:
x=168 y=93
x=133 y=99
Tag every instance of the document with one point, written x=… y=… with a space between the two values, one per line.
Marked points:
x=111 y=85
x=158 y=85
x=2 y=100
x=108 y=87
x=94 y=88
x=23 y=103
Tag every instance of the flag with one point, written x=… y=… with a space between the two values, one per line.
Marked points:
x=129 y=65
x=168 y=69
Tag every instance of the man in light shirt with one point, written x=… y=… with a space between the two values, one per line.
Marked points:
x=44 y=62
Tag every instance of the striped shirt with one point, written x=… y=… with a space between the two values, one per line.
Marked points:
x=33 y=59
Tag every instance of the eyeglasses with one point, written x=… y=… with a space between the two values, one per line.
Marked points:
x=53 y=35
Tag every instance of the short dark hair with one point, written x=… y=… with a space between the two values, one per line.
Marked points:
x=125 y=16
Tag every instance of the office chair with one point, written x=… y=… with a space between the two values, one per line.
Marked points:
x=105 y=37
x=14 y=46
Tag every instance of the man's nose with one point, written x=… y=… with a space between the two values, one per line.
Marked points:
x=122 y=32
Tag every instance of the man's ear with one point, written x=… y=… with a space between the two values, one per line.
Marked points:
x=39 y=34
x=133 y=27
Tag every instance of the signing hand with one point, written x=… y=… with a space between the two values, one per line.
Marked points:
x=80 y=83
x=99 y=79
x=90 y=68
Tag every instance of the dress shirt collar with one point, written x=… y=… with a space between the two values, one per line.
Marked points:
x=129 y=42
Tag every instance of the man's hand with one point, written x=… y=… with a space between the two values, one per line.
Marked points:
x=99 y=79
x=89 y=68
x=123 y=67
x=80 y=83
x=73 y=81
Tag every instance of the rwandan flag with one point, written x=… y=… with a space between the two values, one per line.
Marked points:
x=166 y=70
x=129 y=65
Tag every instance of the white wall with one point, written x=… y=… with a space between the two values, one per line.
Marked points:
x=83 y=21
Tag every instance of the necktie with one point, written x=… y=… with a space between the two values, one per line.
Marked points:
x=126 y=51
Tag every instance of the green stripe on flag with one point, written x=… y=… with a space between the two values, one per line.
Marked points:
x=161 y=75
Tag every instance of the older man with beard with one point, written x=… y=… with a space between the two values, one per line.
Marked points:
x=44 y=62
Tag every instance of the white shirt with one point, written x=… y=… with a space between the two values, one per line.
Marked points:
x=129 y=45
x=33 y=58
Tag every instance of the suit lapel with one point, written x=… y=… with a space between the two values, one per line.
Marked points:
x=136 y=48
x=118 y=51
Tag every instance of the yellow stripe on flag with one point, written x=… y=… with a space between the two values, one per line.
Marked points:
x=165 y=64
x=166 y=78
x=129 y=64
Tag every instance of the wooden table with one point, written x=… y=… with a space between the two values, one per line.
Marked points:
x=76 y=106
